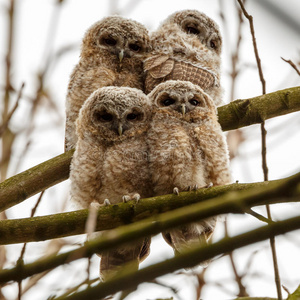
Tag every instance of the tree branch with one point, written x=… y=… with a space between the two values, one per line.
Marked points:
x=204 y=203
x=190 y=258
x=237 y=114
x=34 y=180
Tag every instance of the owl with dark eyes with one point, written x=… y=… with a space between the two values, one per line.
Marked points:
x=187 y=151
x=187 y=46
x=112 y=54
x=110 y=162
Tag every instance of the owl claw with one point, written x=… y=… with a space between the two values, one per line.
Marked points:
x=176 y=191
x=210 y=185
x=106 y=202
x=125 y=198
x=192 y=188
x=135 y=197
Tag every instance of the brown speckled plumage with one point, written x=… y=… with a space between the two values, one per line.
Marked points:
x=100 y=64
x=187 y=46
x=187 y=150
x=110 y=162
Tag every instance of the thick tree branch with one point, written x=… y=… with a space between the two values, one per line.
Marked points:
x=240 y=113
x=28 y=183
x=204 y=203
x=140 y=229
x=189 y=259
x=237 y=114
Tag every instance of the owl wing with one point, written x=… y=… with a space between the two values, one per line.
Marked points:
x=159 y=66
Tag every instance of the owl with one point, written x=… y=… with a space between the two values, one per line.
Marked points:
x=110 y=163
x=112 y=54
x=187 y=151
x=187 y=46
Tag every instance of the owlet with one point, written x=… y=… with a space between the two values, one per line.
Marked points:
x=187 y=151
x=112 y=54
x=110 y=160
x=187 y=46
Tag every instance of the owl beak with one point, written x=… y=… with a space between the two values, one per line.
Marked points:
x=120 y=129
x=183 y=109
x=121 y=55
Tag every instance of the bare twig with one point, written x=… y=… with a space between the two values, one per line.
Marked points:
x=264 y=147
x=292 y=65
x=238 y=278
x=4 y=125
x=20 y=261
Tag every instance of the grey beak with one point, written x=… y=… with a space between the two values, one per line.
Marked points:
x=121 y=55
x=183 y=109
x=120 y=129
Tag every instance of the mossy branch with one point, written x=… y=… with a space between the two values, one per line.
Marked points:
x=237 y=114
x=204 y=203
x=241 y=113
x=190 y=258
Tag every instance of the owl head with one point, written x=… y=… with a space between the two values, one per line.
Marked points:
x=197 y=26
x=121 y=37
x=113 y=114
x=182 y=100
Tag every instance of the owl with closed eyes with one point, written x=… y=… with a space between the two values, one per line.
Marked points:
x=112 y=54
x=187 y=46
x=110 y=160
x=187 y=150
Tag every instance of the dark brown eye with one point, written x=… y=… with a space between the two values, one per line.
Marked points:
x=134 y=47
x=213 y=44
x=109 y=41
x=103 y=116
x=192 y=30
x=132 y=116
x=194 y=102
x=168 y=102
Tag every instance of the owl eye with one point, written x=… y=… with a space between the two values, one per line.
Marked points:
x=103 y=116
x=134 y=117
x=135 y=47
x=194 y=102
x=213 y=45
x=168 y=102
x=109 y=41
x=192 y=30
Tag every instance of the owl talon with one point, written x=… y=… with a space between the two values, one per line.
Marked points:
x=125 y=198
x=210 y=185
x=106 y=202
x=176 y=191
x=136 y=197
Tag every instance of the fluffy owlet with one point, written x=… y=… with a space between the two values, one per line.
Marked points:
x=110 y=160
x=187 y=151
x=112 y=54
x=187 y=46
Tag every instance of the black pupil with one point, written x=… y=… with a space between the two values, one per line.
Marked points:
x=134 y=47
x=110 y=41
x=194 y=102
x=192 y=30
x=132 y=116
x=212 y=44
x=106 y=117
x=168 y=102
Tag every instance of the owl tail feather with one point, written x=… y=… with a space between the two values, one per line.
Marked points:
x=186 y=237
x=114 y=262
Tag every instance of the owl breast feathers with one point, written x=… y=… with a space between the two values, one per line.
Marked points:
x=187 y=151
x=187 y=46
x=112 y=54
x=109 y=163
